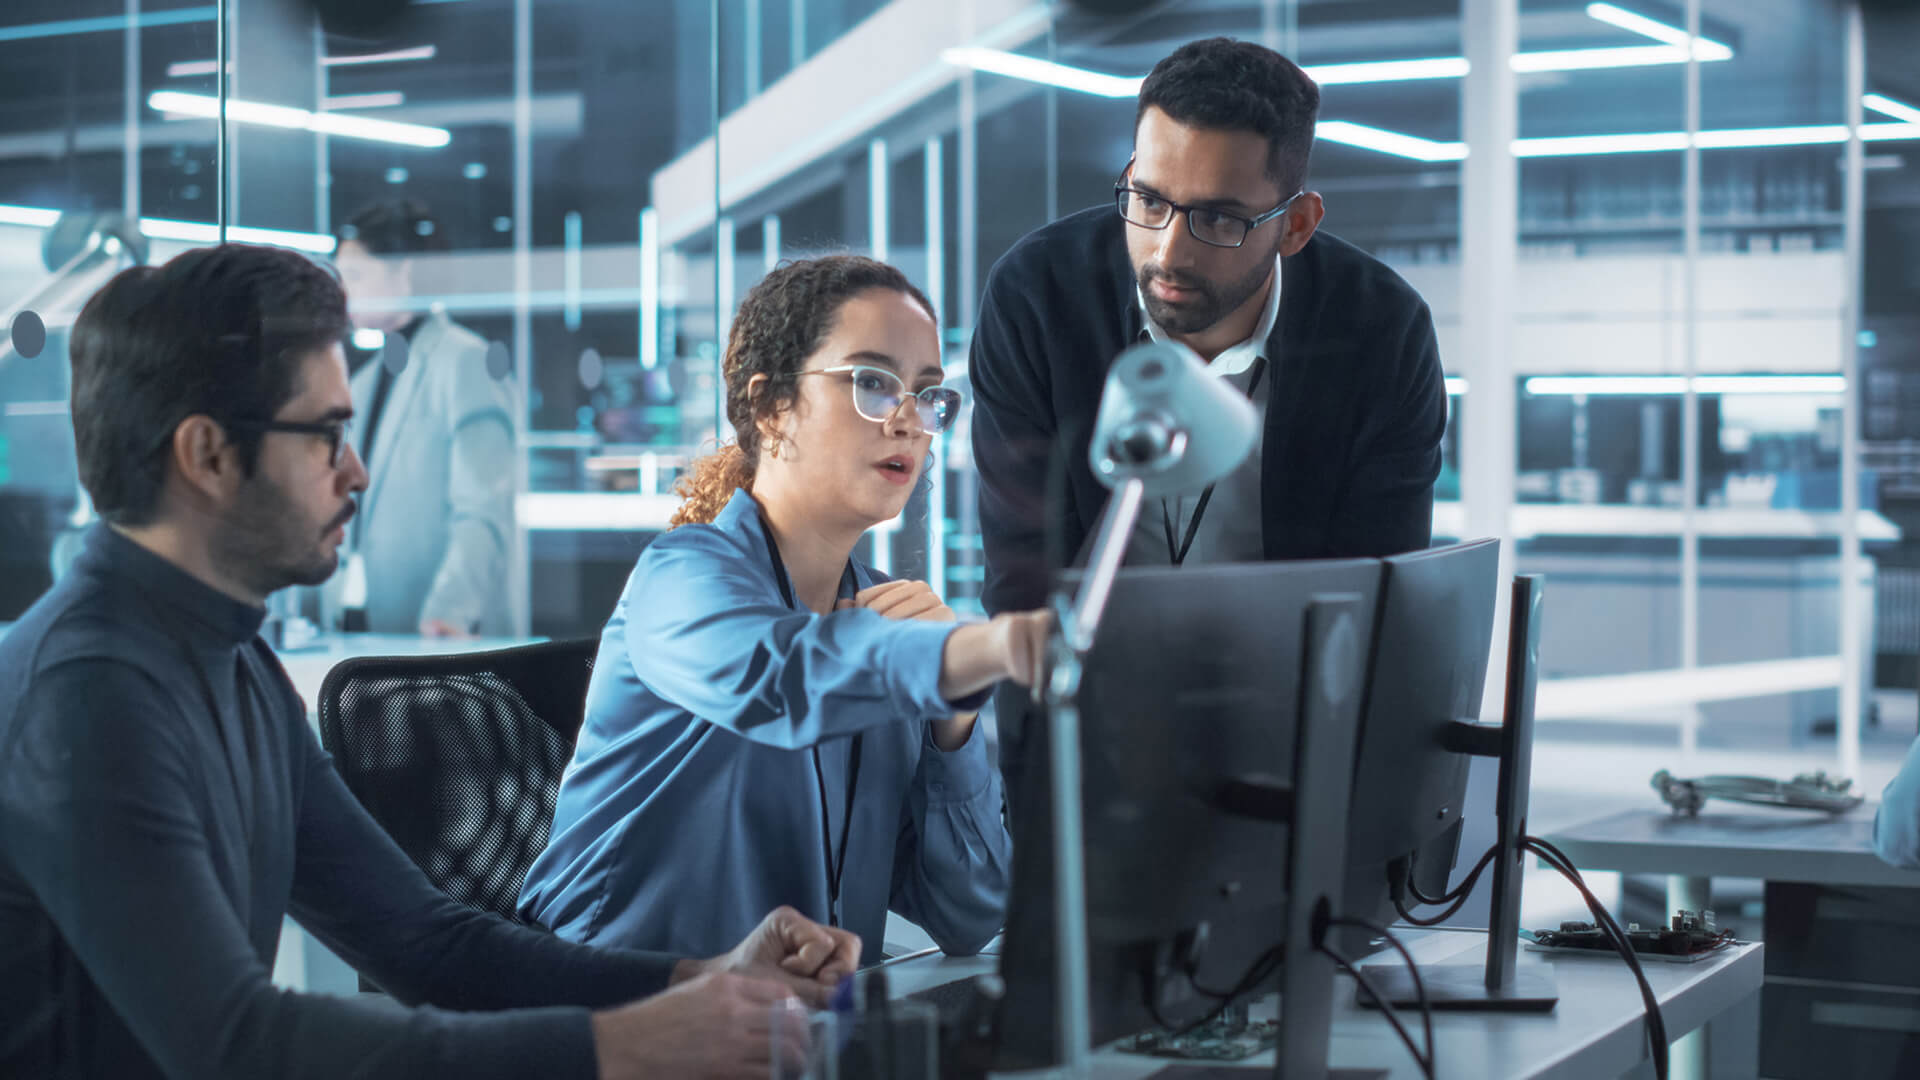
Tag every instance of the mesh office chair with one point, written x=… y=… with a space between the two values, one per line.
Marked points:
x=459 y=757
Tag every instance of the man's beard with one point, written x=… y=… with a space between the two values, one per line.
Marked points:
x=1212 y=302
x=266 y=544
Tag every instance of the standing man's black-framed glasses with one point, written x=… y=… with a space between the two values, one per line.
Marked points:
x=1208 y=225
x=334 y=431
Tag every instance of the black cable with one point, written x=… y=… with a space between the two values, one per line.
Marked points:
x=1459 y=892
x=1458 y=895
x=1656 y=1023
x=1413 y=972
x=1261 y=970
x=1386 y=1010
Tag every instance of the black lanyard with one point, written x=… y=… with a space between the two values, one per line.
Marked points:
x=1179 y=554
x=835 y=867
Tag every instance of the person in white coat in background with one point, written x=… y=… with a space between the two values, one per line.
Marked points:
x=435 y=423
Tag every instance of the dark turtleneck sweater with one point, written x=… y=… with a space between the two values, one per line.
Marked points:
x=163 y=804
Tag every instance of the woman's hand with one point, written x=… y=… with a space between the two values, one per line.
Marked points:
x=901 y=600
x=1010 y=646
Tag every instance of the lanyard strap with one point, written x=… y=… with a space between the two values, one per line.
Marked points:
x=1179 y=553
x=836 y=868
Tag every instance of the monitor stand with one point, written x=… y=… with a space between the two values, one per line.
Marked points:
x=1499 y=986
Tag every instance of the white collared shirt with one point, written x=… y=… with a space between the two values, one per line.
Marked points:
x=1230 y=531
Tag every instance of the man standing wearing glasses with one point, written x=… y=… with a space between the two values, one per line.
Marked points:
x=164 y=804
x=1213 y=245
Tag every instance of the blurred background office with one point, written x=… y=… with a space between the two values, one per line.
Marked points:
x=1677 y=302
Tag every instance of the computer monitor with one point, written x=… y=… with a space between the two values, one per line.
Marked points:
x=1188 y=701
x=1429 y=669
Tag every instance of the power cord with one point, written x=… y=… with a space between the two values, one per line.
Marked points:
x=1455 y=898
x=1656 y=1023
x=1458 y=892
x=1413 y=973
x=1262 y=969
x=1424 y=1061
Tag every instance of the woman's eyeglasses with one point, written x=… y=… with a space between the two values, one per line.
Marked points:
x=878 y=394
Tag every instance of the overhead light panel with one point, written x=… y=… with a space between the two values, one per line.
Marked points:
x=283 y=116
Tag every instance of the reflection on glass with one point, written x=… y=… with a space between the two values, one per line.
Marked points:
x=436 y=430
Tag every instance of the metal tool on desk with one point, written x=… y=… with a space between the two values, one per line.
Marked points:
x=1807 y=791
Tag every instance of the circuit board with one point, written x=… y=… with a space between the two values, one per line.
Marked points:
x=1218 y=1041
x=1691 y=936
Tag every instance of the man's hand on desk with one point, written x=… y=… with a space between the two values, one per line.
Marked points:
x=724 y=1017
x=788 y=948
x=715 y=1025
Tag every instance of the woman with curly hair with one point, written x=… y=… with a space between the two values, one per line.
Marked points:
x=770 y=720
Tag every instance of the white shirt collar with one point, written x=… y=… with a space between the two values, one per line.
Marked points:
x=1237 y=358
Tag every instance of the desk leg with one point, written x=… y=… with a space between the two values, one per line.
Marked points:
x=1688 y=1056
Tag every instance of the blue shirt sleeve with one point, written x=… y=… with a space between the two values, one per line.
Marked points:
x=1896 y=826
x=704 y=629
x=953 y=863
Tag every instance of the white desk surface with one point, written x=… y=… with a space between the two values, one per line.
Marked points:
x=1596 y=1033
x=308 y=666
x=1775 y=845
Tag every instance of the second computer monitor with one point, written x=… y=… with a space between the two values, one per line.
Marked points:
x=1430 y=655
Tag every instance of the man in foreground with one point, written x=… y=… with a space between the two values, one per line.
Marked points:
x=163 y=803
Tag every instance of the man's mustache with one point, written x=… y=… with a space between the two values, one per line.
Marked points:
x=342 y=517
x=1154 y=273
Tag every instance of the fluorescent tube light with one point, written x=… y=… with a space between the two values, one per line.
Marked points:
x=200 y=232
x=418 y=52
x=63 y=27
x=187 y=68
x=1377 y=71
x=195 y=231
x=1887 y=106
x=1456 y=385
x=1574 y=145
x=1616 y=56
x=1703 y=48
x=1013 y=65
x=383 y=100
x=1389 y=142
x=283 y=116
x=28 y=215
x=1675 y=385
x=370 y=340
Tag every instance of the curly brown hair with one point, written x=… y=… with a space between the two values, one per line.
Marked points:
x=783 y=320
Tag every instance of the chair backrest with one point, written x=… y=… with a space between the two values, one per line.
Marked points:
x=459 y=757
